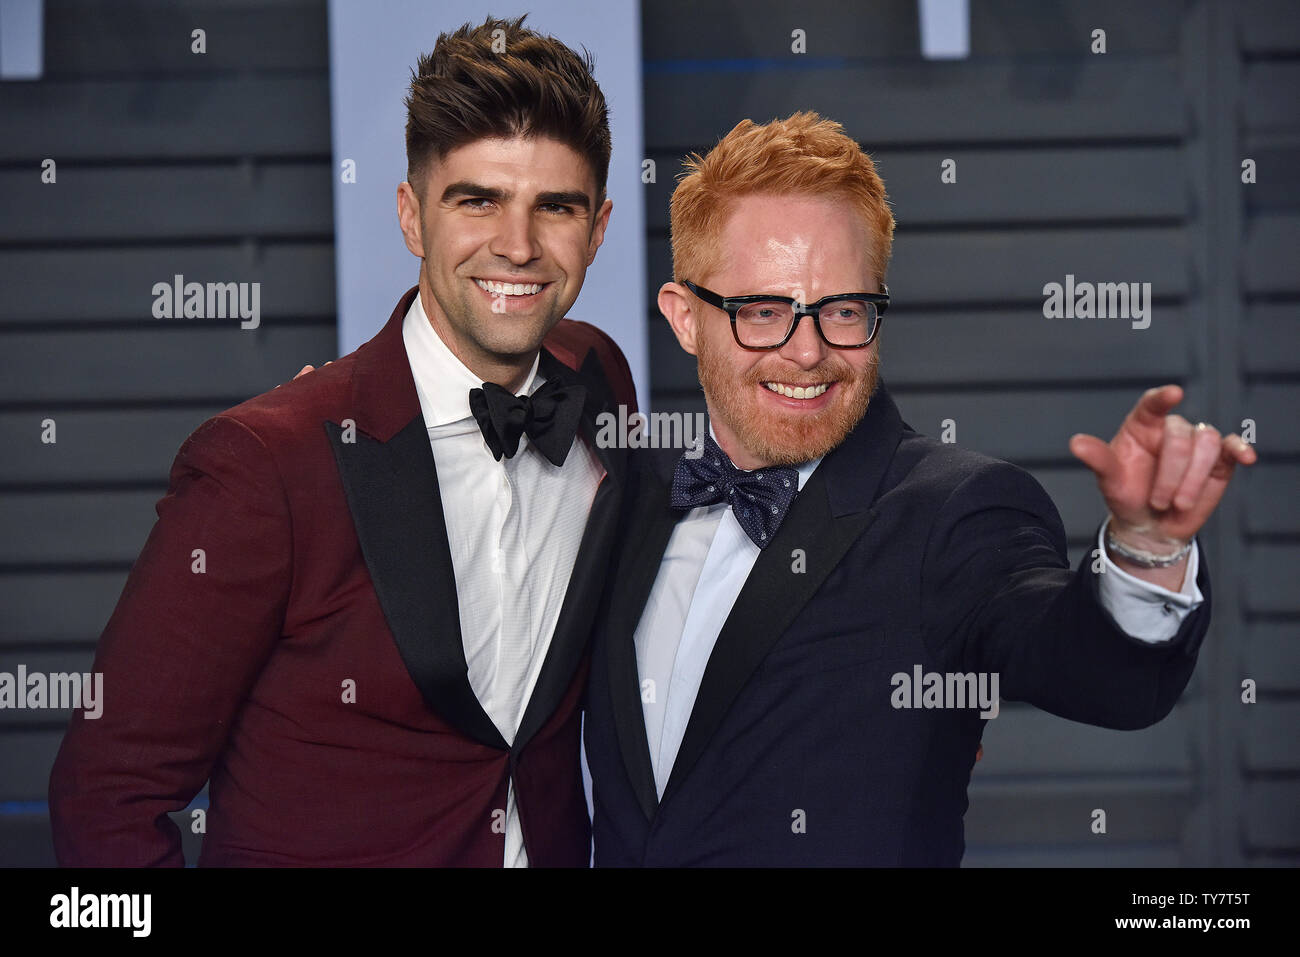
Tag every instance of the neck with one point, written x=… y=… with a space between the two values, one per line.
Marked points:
x=740 y=456
x=509 y=372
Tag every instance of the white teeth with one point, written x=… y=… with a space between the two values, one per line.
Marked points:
x=509 y=288
x=798 y=392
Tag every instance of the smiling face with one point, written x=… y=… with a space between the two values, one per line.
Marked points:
x=805 y=247
x=506 y=231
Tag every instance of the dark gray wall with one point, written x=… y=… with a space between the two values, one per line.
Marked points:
x=215 y=166
x=1116 y=167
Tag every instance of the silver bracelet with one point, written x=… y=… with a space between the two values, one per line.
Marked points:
x=1146 y=559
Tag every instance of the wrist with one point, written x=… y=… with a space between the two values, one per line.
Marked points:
x=1143 y=547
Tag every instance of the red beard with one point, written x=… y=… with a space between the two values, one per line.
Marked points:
x=786 y=438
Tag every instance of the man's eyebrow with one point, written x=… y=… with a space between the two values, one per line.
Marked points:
x=571 y=197
x=465 y=188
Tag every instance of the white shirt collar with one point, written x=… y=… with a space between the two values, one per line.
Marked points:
x=442 y=381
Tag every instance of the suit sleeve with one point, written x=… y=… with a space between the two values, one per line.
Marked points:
x=997 y=581
x=201 y=610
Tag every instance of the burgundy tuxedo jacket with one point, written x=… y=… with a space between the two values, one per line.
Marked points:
x=290 y=634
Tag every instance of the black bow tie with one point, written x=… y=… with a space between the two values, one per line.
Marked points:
x=549 y=417
x=759 y=499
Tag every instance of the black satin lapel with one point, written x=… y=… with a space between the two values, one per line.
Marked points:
x=772 y=597
x=392 y=492
x=650 y=525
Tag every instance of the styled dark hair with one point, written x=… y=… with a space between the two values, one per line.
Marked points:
x=499 y=79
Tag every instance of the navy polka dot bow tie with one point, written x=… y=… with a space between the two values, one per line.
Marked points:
x=759 y=499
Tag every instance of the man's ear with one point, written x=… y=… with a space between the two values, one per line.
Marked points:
x=598 y=227
x=408 y=216
x=678 y=307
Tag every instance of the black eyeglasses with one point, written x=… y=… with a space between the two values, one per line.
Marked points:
x=846 y=321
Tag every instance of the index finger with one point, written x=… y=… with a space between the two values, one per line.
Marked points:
x=1154 y=405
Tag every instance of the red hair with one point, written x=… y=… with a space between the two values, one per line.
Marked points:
x=804 y=154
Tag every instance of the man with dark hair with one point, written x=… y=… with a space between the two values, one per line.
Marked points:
x=363 y=613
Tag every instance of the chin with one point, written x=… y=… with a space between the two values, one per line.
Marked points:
x=794 y=438
x=793 y=443
x=510 y=347
x=515 y=340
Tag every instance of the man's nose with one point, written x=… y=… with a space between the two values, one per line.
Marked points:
x=805 y=347
x=516 y=237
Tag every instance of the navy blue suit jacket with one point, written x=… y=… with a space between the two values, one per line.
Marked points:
x=915 y=552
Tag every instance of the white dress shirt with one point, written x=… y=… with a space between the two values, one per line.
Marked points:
x=705 y=566
x=514 y=528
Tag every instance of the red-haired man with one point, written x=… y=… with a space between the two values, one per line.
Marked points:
x=808 y=624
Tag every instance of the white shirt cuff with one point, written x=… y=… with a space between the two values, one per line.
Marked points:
x=1144 y=611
